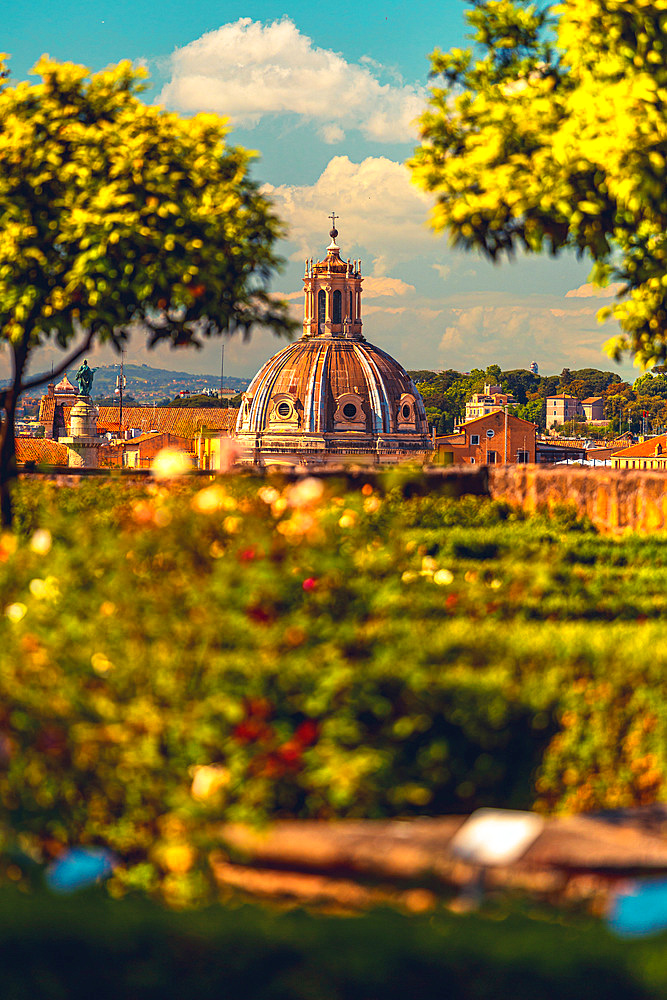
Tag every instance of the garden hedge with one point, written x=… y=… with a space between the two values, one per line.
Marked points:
x=174 y=655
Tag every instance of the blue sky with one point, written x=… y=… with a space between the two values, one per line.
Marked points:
x=328 y=95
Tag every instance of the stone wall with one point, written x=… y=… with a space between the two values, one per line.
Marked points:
x=614 y=499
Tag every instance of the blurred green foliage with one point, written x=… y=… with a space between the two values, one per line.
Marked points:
x=172 y=656
x=547 y=134
x=54 y=948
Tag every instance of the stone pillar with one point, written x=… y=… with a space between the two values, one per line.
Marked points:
x=83 y=444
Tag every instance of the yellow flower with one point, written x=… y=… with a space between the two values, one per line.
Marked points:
x=169 y=463
x=208 y=779
x=100 y=663
x=209 y=500
x=348 y=519
x=443 y=577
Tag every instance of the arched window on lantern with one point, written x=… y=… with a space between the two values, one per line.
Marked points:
x=321 y=309
x=337 y=307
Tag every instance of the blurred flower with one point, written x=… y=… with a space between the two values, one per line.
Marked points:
x=429 y=565
x=443 y=577
x=310 y=583
x=38 y=588
x=495 y=584
x=107 y=608
x=142 y=512
x=208 y=779
x=409 y=576
x=348 y=519
x=367 y=489
x=8 y=543
x=279 y=506
x=41 y=541
x=232 y=525
x=100 y=663
x=306 y=493
x=15 y=612
x=178 y=858
x=170 y=463
x=208 y=500
x=371 y=504
x=162 y=517
x=307 y=732
x=268 y=494
x=216 y=549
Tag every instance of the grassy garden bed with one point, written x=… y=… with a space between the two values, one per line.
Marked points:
x=174 y=655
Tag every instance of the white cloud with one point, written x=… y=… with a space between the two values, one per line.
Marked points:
x=382 y=215
x=332 y=134
x=589 y=291
x=375 y=288
x=248 y=70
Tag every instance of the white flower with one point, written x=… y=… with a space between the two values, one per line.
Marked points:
x=41 y=541
x=15 y=612
x=305 y=493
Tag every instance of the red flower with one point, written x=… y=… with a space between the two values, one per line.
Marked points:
x=306 y=734
x=247 y=555
x=260 y=708
x=259 y=614
x=252 y=731
x=310 y=583
x=290 y=752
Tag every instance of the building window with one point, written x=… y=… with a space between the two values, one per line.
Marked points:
x=321 y=309
x=522 y=456
x=474 y=439
x=350 y=411
x=492 y=457
x=284 y=410
x=337 y=307
x=490 y=433
x=472 y=461
x=351 y=309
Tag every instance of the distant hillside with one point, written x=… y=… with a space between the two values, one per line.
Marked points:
x=144 y=382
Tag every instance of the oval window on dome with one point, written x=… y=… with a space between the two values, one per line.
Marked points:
x=350 y=410
x=407 y=413
x=284 y=409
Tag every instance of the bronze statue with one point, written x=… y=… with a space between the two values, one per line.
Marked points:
x=84 y=377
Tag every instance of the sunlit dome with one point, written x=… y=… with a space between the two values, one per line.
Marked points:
x=331 y=397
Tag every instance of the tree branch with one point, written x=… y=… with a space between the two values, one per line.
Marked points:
x=33 y=383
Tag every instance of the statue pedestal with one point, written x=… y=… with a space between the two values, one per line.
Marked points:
x=83 y=444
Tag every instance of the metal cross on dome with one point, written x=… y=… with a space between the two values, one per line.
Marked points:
x=333 y=218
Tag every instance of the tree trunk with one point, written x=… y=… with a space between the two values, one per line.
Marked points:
x=7 y=446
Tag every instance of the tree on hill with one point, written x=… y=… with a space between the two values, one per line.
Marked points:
x=212 y=402
x=116 y=214
x=549 y=136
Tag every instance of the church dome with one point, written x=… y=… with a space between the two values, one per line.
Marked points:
x=331 y=397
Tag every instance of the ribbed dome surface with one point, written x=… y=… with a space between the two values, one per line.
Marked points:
x=323 y=378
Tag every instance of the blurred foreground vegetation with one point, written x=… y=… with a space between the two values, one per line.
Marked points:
x=52 y=948
x=176 y=655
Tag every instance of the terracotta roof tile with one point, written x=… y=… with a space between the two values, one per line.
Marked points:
x=183 y=421
x=40 y=450
x=645 y=449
